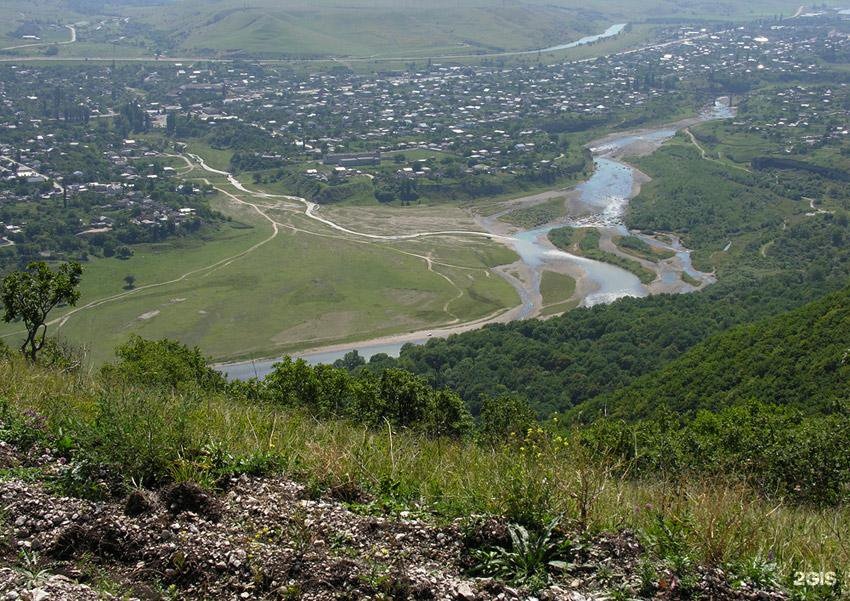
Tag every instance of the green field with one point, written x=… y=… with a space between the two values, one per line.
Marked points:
x=243 y=292
x=557 y=290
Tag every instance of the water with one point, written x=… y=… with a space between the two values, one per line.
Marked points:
x=609 y=189
x=609 y=281
x=608 y=33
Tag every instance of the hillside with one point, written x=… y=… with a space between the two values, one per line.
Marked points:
x=799 y=359
x=156 y=480
x=266 y=28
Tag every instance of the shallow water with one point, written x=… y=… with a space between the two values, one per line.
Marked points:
x=609 y=189
x=608 y=33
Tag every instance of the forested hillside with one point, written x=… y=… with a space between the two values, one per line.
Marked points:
x=705 y=201
x=800 y=358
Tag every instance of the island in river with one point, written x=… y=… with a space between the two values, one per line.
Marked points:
x=599 y=202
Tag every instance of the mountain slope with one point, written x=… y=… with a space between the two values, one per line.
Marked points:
x=800 y=358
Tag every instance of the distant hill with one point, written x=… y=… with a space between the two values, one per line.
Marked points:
x=800 y=358
x=403 y=29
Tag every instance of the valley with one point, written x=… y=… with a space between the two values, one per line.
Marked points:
x=466 y=299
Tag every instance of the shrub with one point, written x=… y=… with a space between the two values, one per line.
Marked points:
x=529 y=560
x=396 y=397
x=502 y=416
x=778 y=450
x=163 y=363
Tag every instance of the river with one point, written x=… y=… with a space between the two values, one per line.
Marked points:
x=608 y=191
x=612 y=31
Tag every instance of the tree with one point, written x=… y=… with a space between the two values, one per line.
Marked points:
x=171 y=123
x=449 y=416
x=164 y=363
x=503 y=416
x=351 y=361
x=30 y=295
x=130 y=280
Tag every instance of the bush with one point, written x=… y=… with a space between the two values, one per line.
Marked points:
x=503 y=416
x=778 y=450
x=163 y=363
x=395 y=396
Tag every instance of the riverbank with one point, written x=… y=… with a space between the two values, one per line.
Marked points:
x=599 y=202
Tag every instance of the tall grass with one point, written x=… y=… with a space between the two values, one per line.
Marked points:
x=151 y=436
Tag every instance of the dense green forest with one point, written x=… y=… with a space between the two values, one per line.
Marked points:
x=800 y=358
x=704 y=201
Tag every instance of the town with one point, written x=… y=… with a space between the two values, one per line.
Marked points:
x=84 y=148
x=465 y=300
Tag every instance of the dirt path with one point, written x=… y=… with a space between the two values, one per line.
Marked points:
x=705 y=156
x=311 y=209
x=261 y=210
x=59 y=322
x=310 y=212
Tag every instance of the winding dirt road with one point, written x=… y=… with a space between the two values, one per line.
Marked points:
x=448 y=328
x=312 y=208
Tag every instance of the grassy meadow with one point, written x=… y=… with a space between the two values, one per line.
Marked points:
x=245 y=292
x=557 y=290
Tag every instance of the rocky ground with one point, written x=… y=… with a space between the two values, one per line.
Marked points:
x=266 y=538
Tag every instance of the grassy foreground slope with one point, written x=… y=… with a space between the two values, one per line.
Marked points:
x=800 y=358
x=77 y=444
